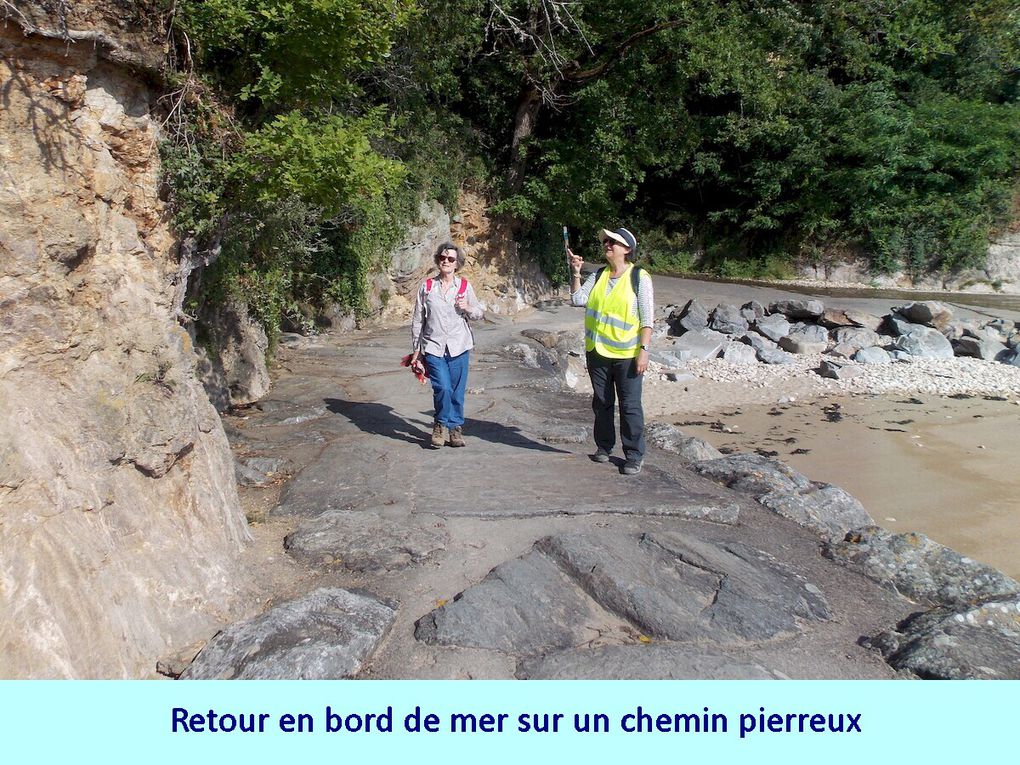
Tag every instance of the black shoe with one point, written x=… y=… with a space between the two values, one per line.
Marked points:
x=630 y=467
x=601 y=455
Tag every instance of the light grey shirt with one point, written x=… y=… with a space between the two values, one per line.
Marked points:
x=437 y=327
x=645 y=299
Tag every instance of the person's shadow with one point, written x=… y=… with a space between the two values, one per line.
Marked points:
x=380 y=420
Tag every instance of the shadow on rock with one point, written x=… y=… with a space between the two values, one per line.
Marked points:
x=497 y=433
x=377 y=419
x=381 y=420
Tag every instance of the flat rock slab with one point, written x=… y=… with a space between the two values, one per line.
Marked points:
x=344 y=477
x=920 y=569
x=642 y=662
x=326 y=635
x=980 y=642
x=524 y=606
x=662 y=586
x=572 y=485
x=366 y=541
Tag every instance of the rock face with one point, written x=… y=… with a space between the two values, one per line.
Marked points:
x=121 y=522
x=234 y=371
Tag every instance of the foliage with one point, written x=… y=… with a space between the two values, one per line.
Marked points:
x=730 y=136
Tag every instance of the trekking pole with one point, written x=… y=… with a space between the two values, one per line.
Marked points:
x=566 y=251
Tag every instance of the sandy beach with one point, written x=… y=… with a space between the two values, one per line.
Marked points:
x=943 y=465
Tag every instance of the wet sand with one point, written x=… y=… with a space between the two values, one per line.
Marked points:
x=945 y=467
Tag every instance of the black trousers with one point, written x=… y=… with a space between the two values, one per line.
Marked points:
x=613 y=379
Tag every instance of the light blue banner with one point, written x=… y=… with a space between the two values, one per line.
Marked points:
x=198 y=722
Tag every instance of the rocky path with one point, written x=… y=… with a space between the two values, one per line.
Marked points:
x=519 y=557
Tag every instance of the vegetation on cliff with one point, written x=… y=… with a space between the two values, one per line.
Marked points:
x=741 y=132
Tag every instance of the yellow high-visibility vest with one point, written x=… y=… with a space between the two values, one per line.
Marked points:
x=612 y=327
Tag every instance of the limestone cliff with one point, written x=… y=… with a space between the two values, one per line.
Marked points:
x=120 y=527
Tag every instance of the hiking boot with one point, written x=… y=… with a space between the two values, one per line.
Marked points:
x=456 y=437
x=600 y=455
x=631 y=467
x=438 y=435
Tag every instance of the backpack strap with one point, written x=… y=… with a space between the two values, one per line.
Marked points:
x=463 y=287
x=428 y=285
x=635 y=277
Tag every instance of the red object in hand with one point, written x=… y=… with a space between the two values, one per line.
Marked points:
x=417 y=368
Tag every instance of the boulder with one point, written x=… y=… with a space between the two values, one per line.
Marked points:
x=856 y=337
x=863 y=319
x=738 y=353
x=693 y=317
x=728 y=320
x=671 y=439
x=924 y=342
x=1011 y=356
x=702 y=343
x=754 y=474
x=798 y=309
x=928 y=312
x=973 y=642
x=989 y=350
x=833 y=318
x=897 y=325
x=838 y=370
x=920 y=569
x=774 y=327
x=758 y=342
x=824 y=508
x=872 y=356
x=753 y=309
x=774 y=356
x=326 y=635
x=807 y=338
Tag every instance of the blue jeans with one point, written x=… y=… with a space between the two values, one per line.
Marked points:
x=449 y=381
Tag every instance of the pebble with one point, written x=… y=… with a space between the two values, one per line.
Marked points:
x=938 y=377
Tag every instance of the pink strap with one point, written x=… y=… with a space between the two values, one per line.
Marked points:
x=460 y=291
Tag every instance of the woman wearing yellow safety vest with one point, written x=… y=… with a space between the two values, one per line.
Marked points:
x=617 y=330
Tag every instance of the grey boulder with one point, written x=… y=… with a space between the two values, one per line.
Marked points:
x=918 y=568
x=924 y=342
x=798 y=309
x=978 y=642
x=774 y=327
x=728 y=320
x=872 y=356
x=929 y=312
x=671 y=439
x=702 y=343
x=326 y=635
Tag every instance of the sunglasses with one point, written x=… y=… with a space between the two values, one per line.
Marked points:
x=610 y=242
x=447 y=259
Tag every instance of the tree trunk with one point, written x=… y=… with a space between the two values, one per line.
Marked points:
x=528 y=105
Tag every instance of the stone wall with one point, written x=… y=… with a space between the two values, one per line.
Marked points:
x=120 y=526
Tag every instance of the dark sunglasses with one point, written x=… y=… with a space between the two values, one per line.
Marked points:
x=447 y=259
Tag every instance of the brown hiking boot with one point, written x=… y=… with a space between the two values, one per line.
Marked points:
x=456 y=437
x=438 y=435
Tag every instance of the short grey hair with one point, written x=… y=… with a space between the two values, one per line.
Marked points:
x=450 y=246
